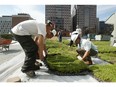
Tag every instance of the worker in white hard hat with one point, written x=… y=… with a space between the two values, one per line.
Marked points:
x=78 y=31
x=85 y=49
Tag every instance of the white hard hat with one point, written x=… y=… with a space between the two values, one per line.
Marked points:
x=79 y=30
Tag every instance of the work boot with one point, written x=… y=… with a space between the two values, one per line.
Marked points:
x=36 y=67
x=30 y=73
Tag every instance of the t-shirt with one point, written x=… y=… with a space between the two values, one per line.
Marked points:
x=87 y=45
x=29 y=27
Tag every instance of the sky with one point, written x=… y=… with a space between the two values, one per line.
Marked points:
x=38 y=11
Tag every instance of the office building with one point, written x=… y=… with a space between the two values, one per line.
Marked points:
x=60 y=15
x=5 y=24
x=19 y=18
x=85 y=17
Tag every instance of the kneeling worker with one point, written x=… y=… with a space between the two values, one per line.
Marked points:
x=86 y=48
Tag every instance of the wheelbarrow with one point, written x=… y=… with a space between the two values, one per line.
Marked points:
x=5 y=43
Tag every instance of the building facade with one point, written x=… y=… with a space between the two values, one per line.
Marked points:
x=19 y=18
x=5 y=24
x=112 y=20
x=60 y=15
x=85 y=17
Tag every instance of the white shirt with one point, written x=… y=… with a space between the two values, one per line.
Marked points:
x=87 y=45
x=29 y=27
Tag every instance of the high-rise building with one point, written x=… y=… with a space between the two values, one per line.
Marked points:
x=5 y=24
x=85 y=17
x=60 y=15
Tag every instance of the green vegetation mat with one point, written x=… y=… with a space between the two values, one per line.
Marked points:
x=62 y=58
x=105 y=73
x=106 y=52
